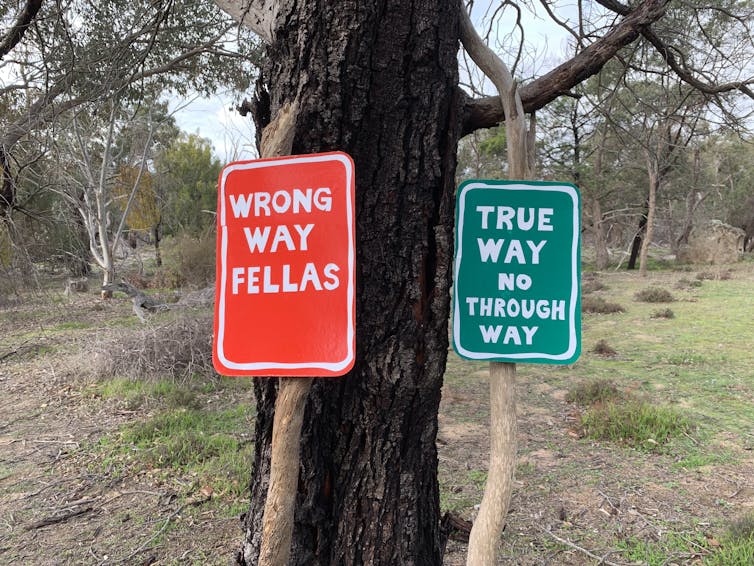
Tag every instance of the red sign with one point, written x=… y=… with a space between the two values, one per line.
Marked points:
x=285 y=290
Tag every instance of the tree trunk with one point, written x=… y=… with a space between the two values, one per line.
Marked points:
x=377 y=80
x=601 y=253
x=156 y=235
x=638 y=239
x=693 y=200
x=654 y=181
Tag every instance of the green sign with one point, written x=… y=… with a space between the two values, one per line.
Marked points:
x=517 y=272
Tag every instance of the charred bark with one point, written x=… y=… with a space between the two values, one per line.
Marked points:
x=638 y=238
x=379 y=81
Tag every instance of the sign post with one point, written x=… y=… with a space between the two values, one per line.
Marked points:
x=515 y=299
x=285 y=293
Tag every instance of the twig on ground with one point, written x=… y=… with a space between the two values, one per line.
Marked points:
x=55 y=519
x=600 y=559
x=162 y=529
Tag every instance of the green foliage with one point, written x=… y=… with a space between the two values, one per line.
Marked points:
x=657 y=552
x=634 y=422
x=187 y=174
x=144 y=212
x=135 y=393
x=590 y=392
x=188 y=261
x=214 y=445
x=483 y=155
x=654 y=295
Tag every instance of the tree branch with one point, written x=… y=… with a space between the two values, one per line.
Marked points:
x=683 y=72
x=487 y=112
x=22 y=23
x=257 y=15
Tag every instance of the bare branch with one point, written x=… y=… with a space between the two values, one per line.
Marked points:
x=257 y=15
x=23 y=21
x=487 y=112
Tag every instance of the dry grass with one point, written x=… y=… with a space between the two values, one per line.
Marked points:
x=177 y=349
x=598 y=305
x=654 y=295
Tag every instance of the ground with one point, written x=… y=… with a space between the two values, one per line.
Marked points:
x=98 y=467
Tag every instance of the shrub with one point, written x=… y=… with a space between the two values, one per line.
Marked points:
x=688 y=284
x=592 y=285
x=188 y=262
x=654 y=295
x=177 y=349
x=599 y=305
x=602 y=348
x=663 y=313
x=591 y=392
x=719 y=275
x=635 y=423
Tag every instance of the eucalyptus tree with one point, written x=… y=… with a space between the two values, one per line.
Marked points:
x=60 y=56
x=380 y=81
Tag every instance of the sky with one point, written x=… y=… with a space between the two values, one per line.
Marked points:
x=215 y=118
x=232 y=135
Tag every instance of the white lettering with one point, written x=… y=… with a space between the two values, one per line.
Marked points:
x=529 y=332
x=303 y=234
x=471 y=301
x=258 y=240
x=535 y=249
x=543 y=225
x=331 y=280
x=490 y=248
x=485 y=210
x=490 y=333
x=241 y=206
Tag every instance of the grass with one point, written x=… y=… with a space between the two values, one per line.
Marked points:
x=636 y=423
x=207 y=444
x=734 y=548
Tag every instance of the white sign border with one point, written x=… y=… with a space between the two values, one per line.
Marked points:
x=573 y=341
x=337 y=366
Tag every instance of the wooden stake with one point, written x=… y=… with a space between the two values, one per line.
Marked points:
x=280 y=505
x=490 y=521
x=277 y=529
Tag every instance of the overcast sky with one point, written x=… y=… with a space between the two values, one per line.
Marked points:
x=232 y=135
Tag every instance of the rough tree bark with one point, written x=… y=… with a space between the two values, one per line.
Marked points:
x=379 y=81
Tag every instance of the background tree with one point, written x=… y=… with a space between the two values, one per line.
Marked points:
x=186 y=174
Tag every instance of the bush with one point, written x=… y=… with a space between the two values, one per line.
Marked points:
x=663 y=313
x=591 y=392
x=654 y=295
x=592 y=285
x=688 y=284
x=599 y=305
x=177 y=350
x=602 y=348
x=720 y=275
x=188 y=262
